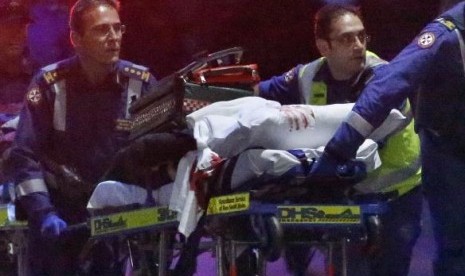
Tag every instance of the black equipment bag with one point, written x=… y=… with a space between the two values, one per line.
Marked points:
x=160 y=110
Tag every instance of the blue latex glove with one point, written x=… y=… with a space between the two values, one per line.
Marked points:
x=42 y=215
x=52 y=226
x=328 y=167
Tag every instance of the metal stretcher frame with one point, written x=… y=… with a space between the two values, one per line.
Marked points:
x=302 y=216
x=158 y=219
x=342 y=222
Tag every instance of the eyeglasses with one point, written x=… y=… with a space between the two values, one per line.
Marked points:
x=348 y=39
x=105 y=30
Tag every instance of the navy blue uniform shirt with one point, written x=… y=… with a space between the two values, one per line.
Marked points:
x=88 y=130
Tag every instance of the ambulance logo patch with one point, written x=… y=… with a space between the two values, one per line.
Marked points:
x=426 y=40
x=34 y=96
x=289 y=76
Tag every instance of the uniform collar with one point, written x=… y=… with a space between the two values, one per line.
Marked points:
x=112 y=78
x=324 y=75
x=457 y=15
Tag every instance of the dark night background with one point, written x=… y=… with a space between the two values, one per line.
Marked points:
x=277 y=34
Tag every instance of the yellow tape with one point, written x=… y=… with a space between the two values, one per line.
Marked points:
x=228 y=204
x=6 y=224
x=3 y=215
x=131 y=220
x=319 y=214
x=319 y=94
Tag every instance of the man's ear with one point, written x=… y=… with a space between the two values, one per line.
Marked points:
x=322 y=46
x=75 y=38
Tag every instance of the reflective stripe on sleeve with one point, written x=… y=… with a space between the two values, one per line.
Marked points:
x=462 y=47
x=31 y=186
x=59 y=107
x=358 y=123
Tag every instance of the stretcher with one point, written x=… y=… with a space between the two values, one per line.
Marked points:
x=273 y=226
x=260 y=231
x=165 y=109
x=127 y=224
x=261 y=216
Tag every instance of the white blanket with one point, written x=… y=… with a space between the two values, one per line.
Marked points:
x=254 y=163
x=114 y=193
x=228 y=128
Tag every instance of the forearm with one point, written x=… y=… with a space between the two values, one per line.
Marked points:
x=37 y=206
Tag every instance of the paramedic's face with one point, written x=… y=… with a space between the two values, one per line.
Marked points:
x=101 y=37
x=347 y=45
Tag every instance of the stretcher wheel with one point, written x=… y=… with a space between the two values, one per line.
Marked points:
x=275 y=243
x=268 y=229
x=373 y=234
x=247 y=264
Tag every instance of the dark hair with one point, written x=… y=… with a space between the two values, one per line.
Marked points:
x=329 y=12
x=81 y=6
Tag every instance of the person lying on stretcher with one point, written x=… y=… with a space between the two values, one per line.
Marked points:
x=260 y=132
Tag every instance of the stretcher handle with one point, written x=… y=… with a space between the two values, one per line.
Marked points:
x=203 y=61
x=78 y=226
x=218 y=71
x=75 y=228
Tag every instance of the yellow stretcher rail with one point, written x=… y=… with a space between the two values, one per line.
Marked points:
x=287 y=213
x=123 y=222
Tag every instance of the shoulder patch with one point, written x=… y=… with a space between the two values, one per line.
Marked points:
x=34 y=96
x=50 y=76
x=134 y=72
x=426 y=40
x=53 y=73
x=289 y=76
x=449 y=24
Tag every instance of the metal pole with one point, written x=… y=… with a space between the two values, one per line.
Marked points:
x=344 y=256
x=162 y=254
x=330 y=266
x=232 y=263
x=20 y=240
x=219 y=256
